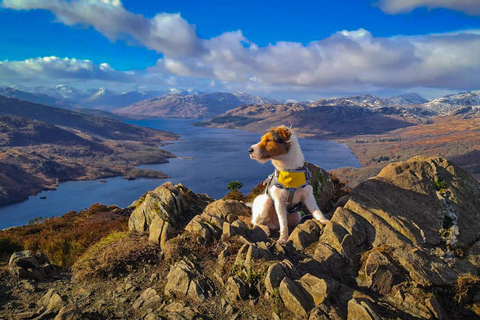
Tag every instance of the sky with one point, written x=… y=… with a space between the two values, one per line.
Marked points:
x=303 y=49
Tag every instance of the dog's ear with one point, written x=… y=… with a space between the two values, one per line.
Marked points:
x=285 y=133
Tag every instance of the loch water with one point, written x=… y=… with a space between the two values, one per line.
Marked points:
x=208 y=159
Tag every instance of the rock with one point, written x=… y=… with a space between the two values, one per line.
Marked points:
x=323 y=187
x=26 y=265
x=174 y=204
x=305 y=234
x=257 y=234
x=222 y=208
x=381 y=275
x=436 y=309
x=295 y=298
x=276 y=272
x=148 y=299
x=51 y=301
x=360 y=309
x=69 y=312
x=179 y=311
x=316 y=287
x=236 y=289
x=159 y=231
x=183 y=281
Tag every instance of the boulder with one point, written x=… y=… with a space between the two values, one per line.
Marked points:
x=183 y=280
x=323 y=187
x=69 y=312
x=148 y=299
x=27 y=265
x=295 y=298
x=277 y=272
x=174 y=204
x=305 y=234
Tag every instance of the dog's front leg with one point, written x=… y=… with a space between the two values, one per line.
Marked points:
x=281 y=210
x=312 y=206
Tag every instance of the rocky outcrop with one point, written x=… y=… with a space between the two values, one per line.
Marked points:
x=402 y=245
x=168 y=206
x=28 y=265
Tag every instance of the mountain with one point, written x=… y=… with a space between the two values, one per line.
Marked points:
x=253 y=99
x=322 y=122
x=401 y=245
x=184 y=106
x=63 y=91
x=372 y=101
x=450 y=103
x=407 y=99
x=36 y=97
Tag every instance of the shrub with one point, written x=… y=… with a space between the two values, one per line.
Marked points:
x=9 y=246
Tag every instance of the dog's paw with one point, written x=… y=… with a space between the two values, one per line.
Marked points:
x=323 y=220
x=282 y=241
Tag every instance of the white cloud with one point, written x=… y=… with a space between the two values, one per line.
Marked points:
x=58 y=69
x=471 y=7
x=166 y=33
x=347 y=61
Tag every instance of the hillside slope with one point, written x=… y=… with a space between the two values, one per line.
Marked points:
x=42 y=146
x=402 y=245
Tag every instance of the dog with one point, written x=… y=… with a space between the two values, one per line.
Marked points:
x=287 y=187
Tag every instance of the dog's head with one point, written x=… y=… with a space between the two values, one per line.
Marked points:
x=276 y=142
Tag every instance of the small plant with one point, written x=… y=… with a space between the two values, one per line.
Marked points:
x=235 y=185
x=36 y=220
x=440 y=185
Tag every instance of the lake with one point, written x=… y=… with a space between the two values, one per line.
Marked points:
x=208 y=159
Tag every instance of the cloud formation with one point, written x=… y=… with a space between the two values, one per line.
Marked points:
x=166 y=33
x=346 y=61
x=471 y=7
x=59 y=69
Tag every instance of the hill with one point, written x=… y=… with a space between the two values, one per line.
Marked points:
x=402 y=245
x=320 y=122
x=41 y=146
x=190 y=106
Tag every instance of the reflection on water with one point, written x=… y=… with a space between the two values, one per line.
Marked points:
x=208 y=160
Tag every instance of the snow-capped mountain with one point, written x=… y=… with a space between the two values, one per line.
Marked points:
x=35 y=97
x=253 y=99
x=453 y=102
x=407 y=99
x=62 y=91
x=371 y=101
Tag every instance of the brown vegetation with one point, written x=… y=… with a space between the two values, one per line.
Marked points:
x=66 y=238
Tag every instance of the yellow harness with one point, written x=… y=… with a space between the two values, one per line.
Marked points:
x=290 y=180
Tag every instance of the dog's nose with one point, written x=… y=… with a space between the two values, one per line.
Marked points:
x=250 y=150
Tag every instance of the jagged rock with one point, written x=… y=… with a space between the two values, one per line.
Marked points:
x=323 y=187
x=69 y=312
x=148 y=299
x=381 y=275
x=183 y=281
x=178 y=311
x=175 y=204
x=159 y=231
x=26 y=265
x=236 y=289
x=360 y=309
x=295 y=298
x=222 y=208
x=406 y=208
x=305 y=234
x=276 y=272
x=317 y=288
x=257 y=234
x=51 y=301
x=436 y=309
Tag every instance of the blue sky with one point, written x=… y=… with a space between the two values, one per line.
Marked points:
x=282 y=49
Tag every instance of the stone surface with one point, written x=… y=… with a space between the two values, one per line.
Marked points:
x=27 y=265
x=236 y=289
x=173 y=203
x=295 y=298
x=276 y=272
x=361 y=309
x=51 y=301
x=317 y=288
x=305 y=234
x=148 y=299
x=183 y=281
x=69 y=312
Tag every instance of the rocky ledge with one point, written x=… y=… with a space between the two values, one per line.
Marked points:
x=401 y=245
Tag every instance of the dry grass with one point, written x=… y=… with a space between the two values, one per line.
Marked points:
x=64 y=239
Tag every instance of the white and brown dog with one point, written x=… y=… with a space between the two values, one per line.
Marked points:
x=270 y=210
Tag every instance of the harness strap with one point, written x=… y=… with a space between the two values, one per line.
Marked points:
x=273 y=180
